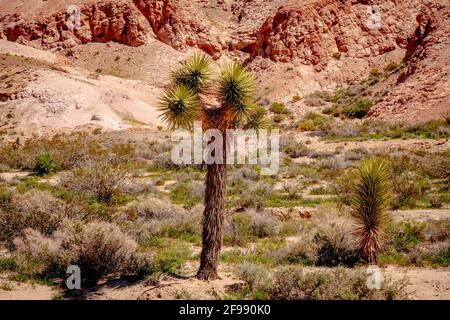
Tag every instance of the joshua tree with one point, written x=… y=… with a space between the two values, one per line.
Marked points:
x=222 y=102
x=371 y=201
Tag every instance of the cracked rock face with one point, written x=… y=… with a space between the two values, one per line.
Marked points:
x=284 y=31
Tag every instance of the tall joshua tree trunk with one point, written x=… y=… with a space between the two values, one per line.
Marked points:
x=230 y=103
x=212 y=222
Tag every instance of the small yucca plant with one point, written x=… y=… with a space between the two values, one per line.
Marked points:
x=370 y=207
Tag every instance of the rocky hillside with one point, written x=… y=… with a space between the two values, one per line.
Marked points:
x=294 y=47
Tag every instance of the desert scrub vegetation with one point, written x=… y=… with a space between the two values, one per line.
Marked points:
x=101 y=180
x=152 y=218
x=279 y=108
x=242 y=227
x=35 y=209
x=295 y=283
x=45 y=164
x=417 y=243
x=294 y=149
x=100 y=249
x=376 y=130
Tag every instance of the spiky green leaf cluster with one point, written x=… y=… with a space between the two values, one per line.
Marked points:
x=195 y=73
x=236 y=89
x=370 y=209
x=257 y=119
x=180 y=107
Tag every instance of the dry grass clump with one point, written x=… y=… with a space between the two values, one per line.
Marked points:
x=100 y=249
x=293 y=283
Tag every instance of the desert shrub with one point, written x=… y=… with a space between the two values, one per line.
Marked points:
x=295 y=149
x=98 y=180
x=406 y=190
x=358 y=109
x=154 y=208
x=5 y=196
x=68 y=151
x=436 y=165
x=321 y=94
x=245 y=226
x=436 y=200
x=255 y=196
x=356 y=154
x=337 y=247
x=300 y=252
x=314 y=102
x=279 y=108
x=45 y=163
x=150 y=220
x=343 y=186
x=7 y=264
x=393 y=67
x=170 y=259
x=322 y=154
x=100 y=249
x=437 y=231
x=243 y=173
x=306 y=126
x=137 y=186
x=406 y=234
x=39 y=210
x=278 y=118
x=257 y=277
x=292 y=283
x=4 y=167
x=346 y=129
x=292 y=190
x=437 y=254
x=313 y=120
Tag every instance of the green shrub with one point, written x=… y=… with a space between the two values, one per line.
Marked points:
x=7 y=264
x=358 y=109
x=393 y=67
x=5 y=196
x=279 y=107
x=45 y=164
